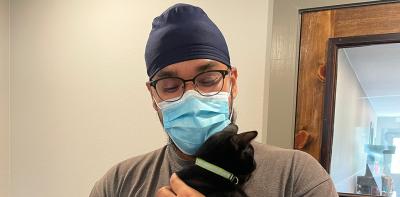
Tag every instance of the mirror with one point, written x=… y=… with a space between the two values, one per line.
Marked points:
x=362 y=115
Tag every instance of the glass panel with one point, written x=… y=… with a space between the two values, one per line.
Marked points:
x=396 y=157
x=367 y=121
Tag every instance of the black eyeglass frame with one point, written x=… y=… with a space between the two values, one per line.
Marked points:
x=153 y=83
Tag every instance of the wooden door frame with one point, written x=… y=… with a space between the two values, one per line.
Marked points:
x=331 y=75
x=350 y=5
x=283 y=34
x=317 y=28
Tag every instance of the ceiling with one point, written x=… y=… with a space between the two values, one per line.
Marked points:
x=378 y=70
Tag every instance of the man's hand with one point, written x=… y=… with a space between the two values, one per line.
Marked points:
x=177 y=188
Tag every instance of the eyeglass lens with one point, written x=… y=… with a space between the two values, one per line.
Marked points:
x=207 y=83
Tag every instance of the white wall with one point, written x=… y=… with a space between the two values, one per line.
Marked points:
x=4 y=98
x=79 y=102
x=353 y=115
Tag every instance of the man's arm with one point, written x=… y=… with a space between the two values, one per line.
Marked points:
x=324 y=189
x=98 y=191
x=310 y=178
x=105 y=186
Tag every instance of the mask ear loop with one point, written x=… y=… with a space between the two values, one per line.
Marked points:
x=231 y=108
x=162 y=123
x=230 y=93
x=155 y=102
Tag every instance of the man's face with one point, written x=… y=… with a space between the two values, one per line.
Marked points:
x=188 y=70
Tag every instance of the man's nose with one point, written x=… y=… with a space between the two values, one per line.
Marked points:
x=189 y=85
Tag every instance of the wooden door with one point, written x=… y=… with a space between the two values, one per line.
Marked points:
x=317 y=27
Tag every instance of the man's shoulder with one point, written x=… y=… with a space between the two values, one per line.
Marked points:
x=143 y=158
x=138 y=162
x=130 y=173
x=265 y=151
x=275 y=157
x=301 y=172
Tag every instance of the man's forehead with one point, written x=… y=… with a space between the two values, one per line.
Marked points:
x=191 y=66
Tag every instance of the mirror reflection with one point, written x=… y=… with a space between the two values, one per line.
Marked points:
x=366 y=139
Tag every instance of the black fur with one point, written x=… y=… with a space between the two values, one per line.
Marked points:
x=230 y=151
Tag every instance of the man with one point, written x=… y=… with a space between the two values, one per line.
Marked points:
x=193 y=85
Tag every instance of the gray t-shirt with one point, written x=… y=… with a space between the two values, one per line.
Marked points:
x=279 y=172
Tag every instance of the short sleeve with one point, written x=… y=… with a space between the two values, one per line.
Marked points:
x=310 y=178
x=105 y=186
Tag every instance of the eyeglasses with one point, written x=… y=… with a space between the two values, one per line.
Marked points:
x=207 y=83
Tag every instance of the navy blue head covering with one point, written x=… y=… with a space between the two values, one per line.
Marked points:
x=183 y=32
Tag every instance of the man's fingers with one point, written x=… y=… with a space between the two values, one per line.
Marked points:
x=177 y=185
x=181 y=189
x=165 y=192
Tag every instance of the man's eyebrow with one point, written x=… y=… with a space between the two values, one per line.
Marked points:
x=162 y=74
x=205 y=67
x=202 y=68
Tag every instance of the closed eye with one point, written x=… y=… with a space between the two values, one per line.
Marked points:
x=209 y=82
x=170 y=89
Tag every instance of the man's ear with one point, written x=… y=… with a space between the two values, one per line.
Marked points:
x=151 y=95
x=234 y=76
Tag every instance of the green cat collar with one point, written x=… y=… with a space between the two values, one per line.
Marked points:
x=216 y=170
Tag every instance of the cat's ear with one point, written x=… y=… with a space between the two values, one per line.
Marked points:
x=246 y=137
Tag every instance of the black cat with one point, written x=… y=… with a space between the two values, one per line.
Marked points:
x=229 y=151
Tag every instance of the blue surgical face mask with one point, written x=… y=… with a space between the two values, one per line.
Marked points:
x=190 y=121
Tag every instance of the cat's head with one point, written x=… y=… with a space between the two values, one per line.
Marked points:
x=231 y=151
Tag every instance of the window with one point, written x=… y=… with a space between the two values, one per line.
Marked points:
x=396 y=157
